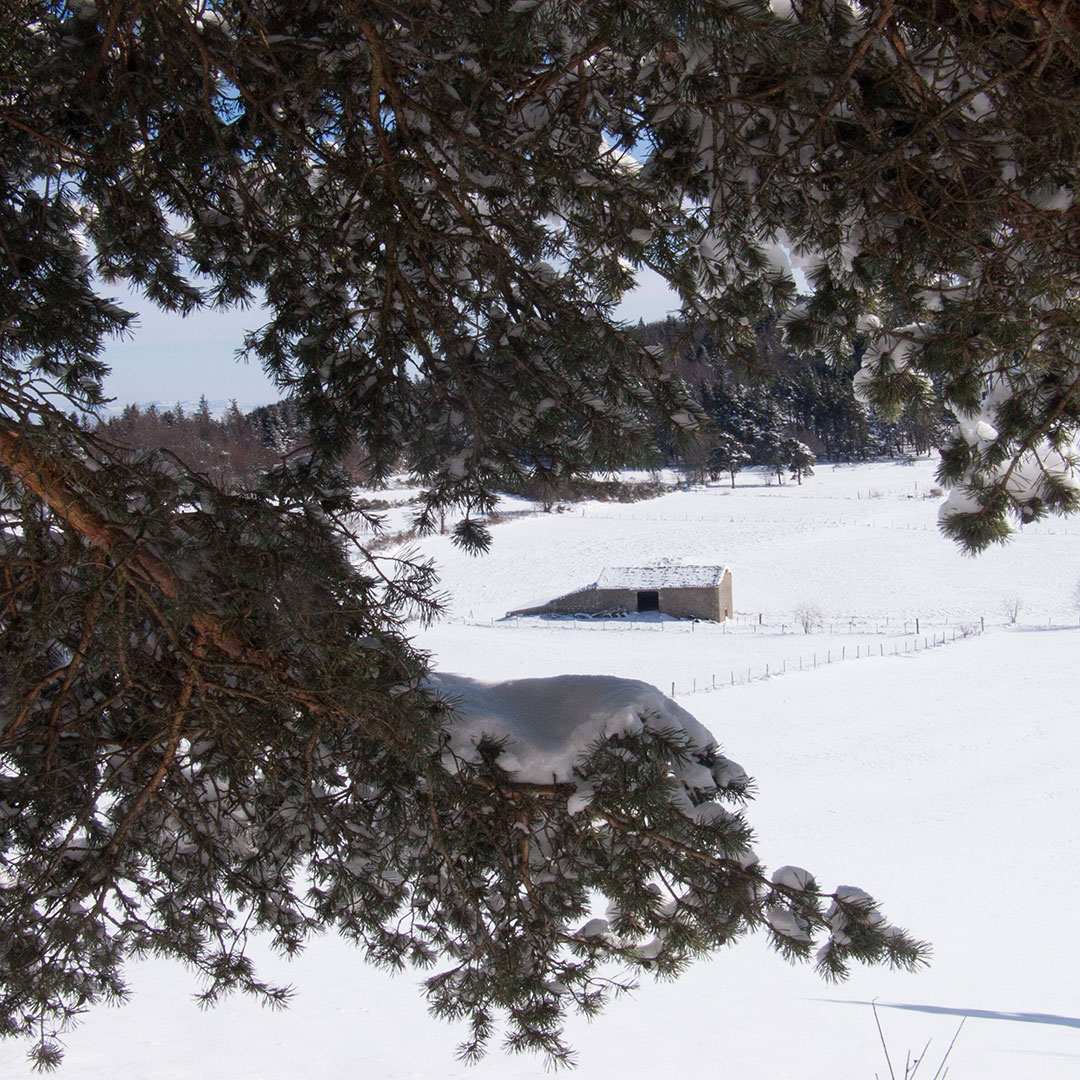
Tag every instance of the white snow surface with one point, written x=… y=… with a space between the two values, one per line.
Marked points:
x=547 y=725
x=942 y=781
x=793 y=877
x=660 y=577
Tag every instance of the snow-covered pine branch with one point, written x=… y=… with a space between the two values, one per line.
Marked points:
x=208 y=694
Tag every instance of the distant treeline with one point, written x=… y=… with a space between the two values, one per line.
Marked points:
x=775 y=408
x=779 y=408
x=234 y=449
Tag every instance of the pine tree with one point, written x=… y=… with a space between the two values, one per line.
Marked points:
x=799 y=458
x=728 y=454
x=204 y=418
x=208 y=694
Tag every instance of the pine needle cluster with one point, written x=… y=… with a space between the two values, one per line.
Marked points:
x=212 y=721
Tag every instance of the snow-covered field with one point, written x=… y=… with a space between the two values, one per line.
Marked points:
x=933 y=768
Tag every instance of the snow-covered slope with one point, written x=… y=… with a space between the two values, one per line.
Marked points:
x=940 y=780
x=857 y=540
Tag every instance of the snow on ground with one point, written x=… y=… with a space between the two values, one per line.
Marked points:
x=843 y=539
x=939 y=780
x=547 y=725
x=858 y=542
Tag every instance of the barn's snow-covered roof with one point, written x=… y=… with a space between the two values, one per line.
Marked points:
x=660 y=577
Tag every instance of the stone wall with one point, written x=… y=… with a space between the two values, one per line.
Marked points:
x=691 y=603
x=591 y=601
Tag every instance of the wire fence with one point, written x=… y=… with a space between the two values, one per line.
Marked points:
x=904 y=637
x=894 y=637
x=738 y=624
x=827 y=656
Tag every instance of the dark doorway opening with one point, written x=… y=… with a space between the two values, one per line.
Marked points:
x=648 y=600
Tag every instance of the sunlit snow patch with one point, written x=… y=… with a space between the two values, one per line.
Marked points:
x=547 y=725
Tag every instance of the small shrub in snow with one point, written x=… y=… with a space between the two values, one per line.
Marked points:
x=1012 y=603
x=912 y=1063
x=808 y=615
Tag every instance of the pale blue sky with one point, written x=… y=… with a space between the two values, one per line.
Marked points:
x=170 y=359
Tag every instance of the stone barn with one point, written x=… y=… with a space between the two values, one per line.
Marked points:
x=685 y=592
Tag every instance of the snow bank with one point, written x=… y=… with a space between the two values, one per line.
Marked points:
x=548 y=725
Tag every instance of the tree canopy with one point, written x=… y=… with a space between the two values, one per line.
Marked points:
x=212 y=719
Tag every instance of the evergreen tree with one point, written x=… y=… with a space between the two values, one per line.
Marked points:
x=799 y=458
x=204 y=418
x=206 y=694
x=727 y=454
x=771 y=451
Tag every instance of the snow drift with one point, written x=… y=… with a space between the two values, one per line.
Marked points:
x=546 y=726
